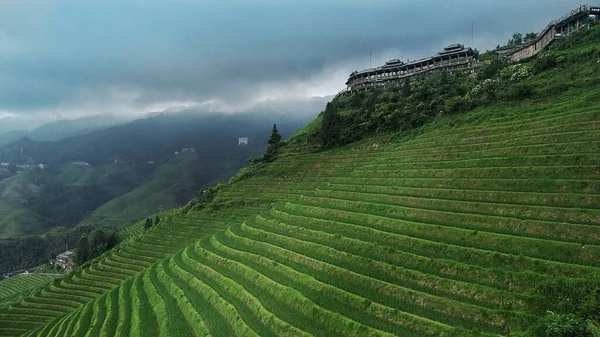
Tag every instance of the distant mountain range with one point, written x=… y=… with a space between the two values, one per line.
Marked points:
x=114 y=175
x=11 y=129
x=62 y=129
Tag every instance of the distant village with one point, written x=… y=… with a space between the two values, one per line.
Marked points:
x=6 y=168
x=185 y=149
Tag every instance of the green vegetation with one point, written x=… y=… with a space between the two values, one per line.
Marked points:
x=482 y=222
x=95 y=243
x=66 y=200
x=148 y=223
x=13 y=289
x=274 y=144
x=34 y=202
x=25 y=252
x=171 y=185
x=353 y=117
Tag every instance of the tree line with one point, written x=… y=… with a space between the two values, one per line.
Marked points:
x=29 y=251
x=94 y=244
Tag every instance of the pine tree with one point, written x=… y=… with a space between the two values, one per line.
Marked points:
x=148 y=223
x=330 y=132
x=274 y=143
x=156 y=220
x=275 y=139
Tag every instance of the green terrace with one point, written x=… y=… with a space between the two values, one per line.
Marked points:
x=17 y=286
x=390 y=241
x=141 y=249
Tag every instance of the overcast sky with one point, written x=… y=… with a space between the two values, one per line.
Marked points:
x=69 y=58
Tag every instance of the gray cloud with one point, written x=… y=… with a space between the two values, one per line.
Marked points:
x=72 y=57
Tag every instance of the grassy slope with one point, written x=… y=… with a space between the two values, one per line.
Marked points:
x=129 y=191
x=16 y=287
x=17 y=219
x=152 y=194
x=442 y=233
x=156 y=192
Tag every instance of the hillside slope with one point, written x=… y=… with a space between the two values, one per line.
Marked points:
x=172 y=184
x=20 y=285
x=476 y=224
x=64 y=194
x=34 y=202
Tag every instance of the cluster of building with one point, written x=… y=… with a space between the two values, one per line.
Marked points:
x=32 y=166
x=453 y=58
x=185 y=149
x=65 y=260
x=5 y=167
x=458 y=58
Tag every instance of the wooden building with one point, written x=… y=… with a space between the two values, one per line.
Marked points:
x=452 y=58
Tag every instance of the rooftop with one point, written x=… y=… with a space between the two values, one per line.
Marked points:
x=451 y=49
x=66 y=254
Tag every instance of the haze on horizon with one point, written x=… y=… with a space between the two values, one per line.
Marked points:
x=71 y=58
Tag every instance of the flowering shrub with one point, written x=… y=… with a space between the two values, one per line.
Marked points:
x=506 y=85
x=484 y=91
x=516 y=73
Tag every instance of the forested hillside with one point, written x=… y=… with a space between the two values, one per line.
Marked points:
x=116 y=176
x=476 y=217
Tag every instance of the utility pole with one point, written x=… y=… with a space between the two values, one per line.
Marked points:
x=472 y=32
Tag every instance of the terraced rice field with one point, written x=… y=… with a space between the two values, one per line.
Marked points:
x=443 y=234
x=73 y=297
x=20 y=285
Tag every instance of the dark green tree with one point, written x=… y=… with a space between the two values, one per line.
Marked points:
x=529 y=37
x=275 y=138
x=148 y=223
x=98 y=242
x=112 y=240
x=156 y=220
x=82 y=251
x=330 y=132
x=94 y=244
x=274 y=144
x=491 y=69
x=516 y=39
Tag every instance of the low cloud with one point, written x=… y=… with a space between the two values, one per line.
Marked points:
x=71 y=58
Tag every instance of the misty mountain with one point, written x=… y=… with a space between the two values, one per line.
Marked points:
x=11 y=136
x=151 y=139
x=67 y=128
x=61 y=129
x=143 y=163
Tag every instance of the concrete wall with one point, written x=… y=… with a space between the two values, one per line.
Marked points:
x=534 y=48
